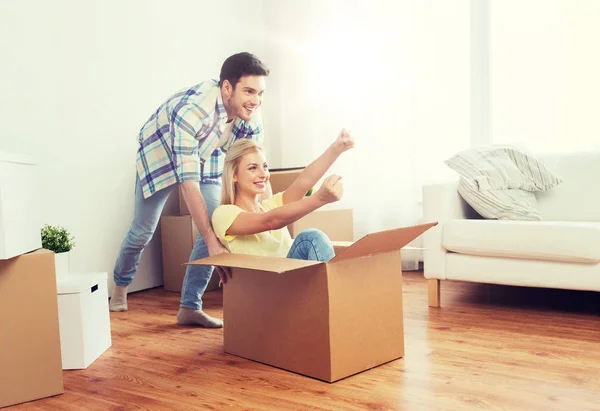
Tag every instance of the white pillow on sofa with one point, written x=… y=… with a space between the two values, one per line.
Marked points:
x=499 y=181
x=509 y=204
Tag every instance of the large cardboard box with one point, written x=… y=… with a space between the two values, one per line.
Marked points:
x=282 y=178
x=30 y=357
x=20 y=224
x=178 y=236
x=84 y=319
x=410 y=255
x=338 y=224
x=323 y=320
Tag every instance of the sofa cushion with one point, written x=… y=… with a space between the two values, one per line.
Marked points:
x=506 y=204
x=499 y=181
x=542 y=240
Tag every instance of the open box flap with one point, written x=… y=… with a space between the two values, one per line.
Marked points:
x=254 y=262
x=383 y=241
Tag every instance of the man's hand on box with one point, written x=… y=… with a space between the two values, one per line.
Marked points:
x=224 y=272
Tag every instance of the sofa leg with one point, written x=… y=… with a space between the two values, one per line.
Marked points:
x=434 y=292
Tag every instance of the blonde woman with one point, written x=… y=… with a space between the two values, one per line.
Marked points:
x=246 y=225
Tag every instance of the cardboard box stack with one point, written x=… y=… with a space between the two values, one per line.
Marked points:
x=30 y=354
x=323 y=320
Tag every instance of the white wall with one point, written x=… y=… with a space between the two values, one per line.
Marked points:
x=78 y=80
x=75 y=90
x=544 y=65
x=396 y=73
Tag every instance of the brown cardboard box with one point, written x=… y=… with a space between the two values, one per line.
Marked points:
x=178 y=235
x=337 y=224
x=281 y=179
x=30 y=356
x=339 y=246
x=323 y=320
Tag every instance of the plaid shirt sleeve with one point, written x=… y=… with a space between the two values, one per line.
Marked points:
x=188 y=121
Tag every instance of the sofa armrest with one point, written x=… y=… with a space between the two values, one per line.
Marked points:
x=441 y=203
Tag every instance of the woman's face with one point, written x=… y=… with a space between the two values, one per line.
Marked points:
x=252 y=174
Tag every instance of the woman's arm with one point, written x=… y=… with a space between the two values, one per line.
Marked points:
x=315 y=170
x=247 y=223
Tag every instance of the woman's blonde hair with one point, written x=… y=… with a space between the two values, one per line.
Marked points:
x=232 y=162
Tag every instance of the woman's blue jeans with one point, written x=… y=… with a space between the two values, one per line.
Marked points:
x=311 y=245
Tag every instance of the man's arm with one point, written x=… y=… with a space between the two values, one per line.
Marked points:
x=186 y=123
x=197 y=206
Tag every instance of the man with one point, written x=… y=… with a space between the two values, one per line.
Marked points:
x=183 y=144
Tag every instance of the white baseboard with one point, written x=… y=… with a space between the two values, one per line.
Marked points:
x=411 y=259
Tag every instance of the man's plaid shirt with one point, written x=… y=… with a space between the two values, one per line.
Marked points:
x=184 y=139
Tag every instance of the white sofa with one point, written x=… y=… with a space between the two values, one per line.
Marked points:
x=561 y=251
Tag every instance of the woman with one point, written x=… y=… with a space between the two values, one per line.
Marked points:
x=246 y=225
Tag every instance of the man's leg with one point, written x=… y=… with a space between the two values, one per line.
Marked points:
x=311 y=245
x=197 y=277
x=146 y=215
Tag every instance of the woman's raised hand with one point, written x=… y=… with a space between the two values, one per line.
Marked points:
x=331 y=190
x=344 y=141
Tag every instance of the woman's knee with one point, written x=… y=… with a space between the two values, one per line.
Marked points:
x=319 y=240
x=313 y=235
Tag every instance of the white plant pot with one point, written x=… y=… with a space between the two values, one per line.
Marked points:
x=61 y=264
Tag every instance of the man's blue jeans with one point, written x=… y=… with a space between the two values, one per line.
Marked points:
x=146 y=216
x=311 y=245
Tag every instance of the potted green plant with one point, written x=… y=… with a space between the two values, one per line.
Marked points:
x=59 y=240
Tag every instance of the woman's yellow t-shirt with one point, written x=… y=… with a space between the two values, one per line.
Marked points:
x=274 y=243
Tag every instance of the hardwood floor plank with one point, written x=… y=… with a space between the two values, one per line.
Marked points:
x=488 y=347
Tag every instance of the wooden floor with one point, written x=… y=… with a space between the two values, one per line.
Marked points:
x=488 y=347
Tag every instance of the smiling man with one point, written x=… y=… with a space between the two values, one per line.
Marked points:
x=184 y=144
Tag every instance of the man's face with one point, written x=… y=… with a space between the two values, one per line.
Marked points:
x=247 y=96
